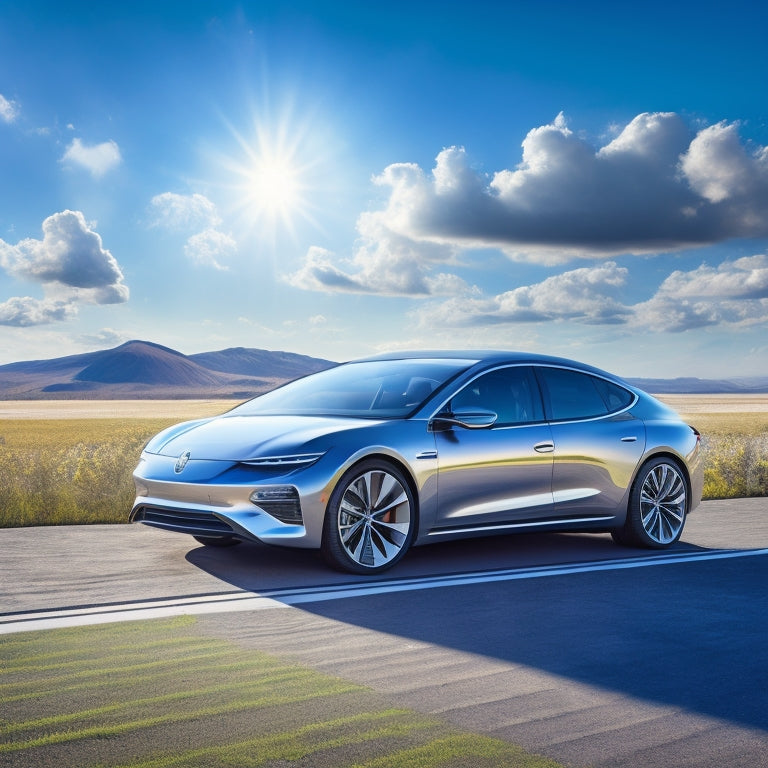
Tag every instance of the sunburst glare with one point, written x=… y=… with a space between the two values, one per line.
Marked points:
x=273 y=180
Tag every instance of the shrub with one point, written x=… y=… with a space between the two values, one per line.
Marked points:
x=735 y=466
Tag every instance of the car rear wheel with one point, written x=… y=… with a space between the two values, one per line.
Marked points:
x=217 y=541
x=657 y=506
x=370 y=519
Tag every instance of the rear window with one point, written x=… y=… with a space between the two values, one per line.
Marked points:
x=576 y=395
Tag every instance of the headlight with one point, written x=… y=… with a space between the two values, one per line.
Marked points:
x=280 y=501
x=292 y=460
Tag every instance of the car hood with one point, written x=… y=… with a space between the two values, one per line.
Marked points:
x=240 y=438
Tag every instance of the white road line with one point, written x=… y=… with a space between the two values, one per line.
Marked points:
x=284 y=598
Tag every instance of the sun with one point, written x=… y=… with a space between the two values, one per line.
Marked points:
x=272 y=180
x=274 y=184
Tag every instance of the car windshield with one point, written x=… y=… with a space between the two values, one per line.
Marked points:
x=368 y=389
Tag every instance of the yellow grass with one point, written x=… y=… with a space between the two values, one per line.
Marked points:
x=71 y=461
x=178 y=410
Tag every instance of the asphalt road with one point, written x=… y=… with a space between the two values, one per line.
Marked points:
x=566 y=644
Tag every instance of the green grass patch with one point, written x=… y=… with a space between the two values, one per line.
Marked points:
x=157 y=694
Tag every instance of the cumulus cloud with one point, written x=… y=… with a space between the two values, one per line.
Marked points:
x=658 y=186
x=655 y=187
x=319 y=274
x=183 y=212
x=733 y=293
x=9 y=110
x=24 y=311
x=195 y=214
x=103 y=339
x=208 y=246
x=587 y=295
x=384 y=263
x=97 y=159
x=71 y=264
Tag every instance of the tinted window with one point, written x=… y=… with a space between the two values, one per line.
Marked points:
x=575 y=395
x=511 y=393
x=368 y=389
x=616 y=398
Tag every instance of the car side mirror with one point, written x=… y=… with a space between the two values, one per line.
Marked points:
x=468 y=418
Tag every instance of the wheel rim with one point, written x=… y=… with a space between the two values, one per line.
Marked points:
x=662 y=503
x=374 y=518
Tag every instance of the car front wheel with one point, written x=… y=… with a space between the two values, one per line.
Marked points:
x=657 y=506
x=370 y=519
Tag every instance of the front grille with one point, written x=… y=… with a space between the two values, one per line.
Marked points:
x=182 y=520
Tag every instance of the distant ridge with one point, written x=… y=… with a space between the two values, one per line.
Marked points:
x=694 y=386
x=145 y=370
x=142 y=369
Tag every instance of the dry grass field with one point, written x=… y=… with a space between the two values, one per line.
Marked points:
x=70 y=461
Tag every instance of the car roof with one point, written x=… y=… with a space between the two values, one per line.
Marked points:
x=489 y=357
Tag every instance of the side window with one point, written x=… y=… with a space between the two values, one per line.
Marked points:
x=616 y=398
x=511 y=393
x=575 y=395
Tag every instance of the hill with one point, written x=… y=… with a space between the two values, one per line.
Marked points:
x=144 y=370
x=245 y=361
x=141 y=369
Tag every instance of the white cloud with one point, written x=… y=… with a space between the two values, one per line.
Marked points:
x=735 y=292
x=184 y=212
x=655 y=187
x=385 y=263
x=719 y=168
x=195 y=213
x=103 y=339
x=70 y=253
x=319 y=274
x=587 y=295
x=70 y=263
x=745 y=278
x=9 y=110
x=24 y=311
x=98 y=159
x=207 y=247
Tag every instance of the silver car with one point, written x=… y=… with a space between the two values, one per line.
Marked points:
x=368 y=458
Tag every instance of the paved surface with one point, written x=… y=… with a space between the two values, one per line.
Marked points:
x=665 y=665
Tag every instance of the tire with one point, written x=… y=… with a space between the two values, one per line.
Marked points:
x=658 y=504
x=217 y=541
x=370 y=519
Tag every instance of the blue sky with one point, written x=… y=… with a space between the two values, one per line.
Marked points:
x=335 y=179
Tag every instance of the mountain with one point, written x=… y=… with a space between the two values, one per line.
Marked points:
x=245 y=361
x=141 y=369
x=694 y=386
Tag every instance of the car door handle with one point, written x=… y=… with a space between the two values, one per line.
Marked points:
x=629 y=439
x=545 y=447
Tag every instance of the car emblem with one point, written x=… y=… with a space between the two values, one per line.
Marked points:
x=181 y=462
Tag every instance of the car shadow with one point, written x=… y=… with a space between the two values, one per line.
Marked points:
x=690 y=636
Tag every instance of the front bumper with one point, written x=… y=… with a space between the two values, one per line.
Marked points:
x=249 y=524
x=215 y=500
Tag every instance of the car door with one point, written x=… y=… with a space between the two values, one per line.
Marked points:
x=494 y=476
x=598 y=443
